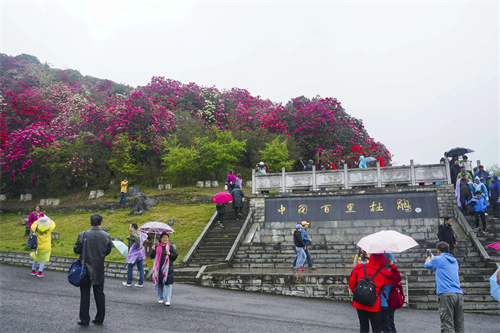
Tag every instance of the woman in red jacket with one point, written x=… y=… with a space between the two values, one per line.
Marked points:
x=372 y=314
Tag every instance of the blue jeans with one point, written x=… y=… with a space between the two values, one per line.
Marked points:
x=40 y=269
x=130 y=269
x=124 y=198
x=301 y=256
x=164 y=292
x=230 y=189
x=308 y=257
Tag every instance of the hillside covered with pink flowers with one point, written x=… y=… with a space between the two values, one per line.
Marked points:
x=61 y=131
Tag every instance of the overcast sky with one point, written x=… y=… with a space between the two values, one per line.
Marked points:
x=423 y=76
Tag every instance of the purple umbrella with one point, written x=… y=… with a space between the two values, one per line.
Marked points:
x=459 y=151
x=156 y=228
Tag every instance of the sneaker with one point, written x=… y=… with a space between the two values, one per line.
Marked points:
x=160 y=302
x=167 y=303
x=40 y=274
x=293 y=267
x=126 y=284
x=301 y=268
x=221 y=225
x=312 y=267
x=33 y=273
x=139 y=285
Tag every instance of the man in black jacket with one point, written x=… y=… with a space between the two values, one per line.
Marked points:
x=98 y=246
x=299 y=246
x=455 y=170
x=446 y=234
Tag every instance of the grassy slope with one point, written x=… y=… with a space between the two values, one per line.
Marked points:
x=189 y=222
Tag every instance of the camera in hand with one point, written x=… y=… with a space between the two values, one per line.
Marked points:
x=428 y=253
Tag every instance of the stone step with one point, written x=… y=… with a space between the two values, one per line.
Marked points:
x=463 y=284
x=432 y=291
x=474 y=306
x=463 y=278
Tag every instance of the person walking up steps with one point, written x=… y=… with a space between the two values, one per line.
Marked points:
x=299 y=246
x=221 y=211
x=238 y=196
x=306 y=240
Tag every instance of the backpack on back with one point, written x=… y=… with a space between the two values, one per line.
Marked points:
x=396 y=297
x=32 y=240
x=365 y=292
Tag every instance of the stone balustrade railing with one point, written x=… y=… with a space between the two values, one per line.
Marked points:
x=348 y=178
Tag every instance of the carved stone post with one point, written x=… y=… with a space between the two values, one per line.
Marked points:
x=253 y=182
x=283 y=185
x=379 y=178
x=315 y=188
x=346 y=178
x=412 y=173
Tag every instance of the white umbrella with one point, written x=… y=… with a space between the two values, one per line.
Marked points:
x=389 y=241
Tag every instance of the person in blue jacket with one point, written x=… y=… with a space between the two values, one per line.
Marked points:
x=494 y=195
x=306 y=240
x=479 y=209
x=388 y=325
x=478 y=186
x=484 y=176
x=362 y=163
x=450 y=295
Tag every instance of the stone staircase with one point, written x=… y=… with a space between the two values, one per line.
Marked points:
x=215 y=246
x=474 y=272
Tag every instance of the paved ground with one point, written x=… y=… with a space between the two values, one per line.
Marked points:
x=31 y=304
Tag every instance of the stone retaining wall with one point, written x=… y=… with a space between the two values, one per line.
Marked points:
x=333 y=287
x=111 y=268
x=102 y=206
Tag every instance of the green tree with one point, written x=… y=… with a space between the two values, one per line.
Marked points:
x=182 y=164
x=220 y=153
x=122 y=161
x=276 y=155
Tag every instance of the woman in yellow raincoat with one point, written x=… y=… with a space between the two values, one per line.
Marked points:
x=44 y=239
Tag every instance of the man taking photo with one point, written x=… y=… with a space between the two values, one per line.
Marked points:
x=450 y=296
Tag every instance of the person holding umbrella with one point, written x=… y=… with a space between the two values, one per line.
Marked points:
x=136 y=255
x=163 y=268
x=373 y=269
x=220 y=199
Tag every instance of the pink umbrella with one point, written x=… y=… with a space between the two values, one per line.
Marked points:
x=495 y=246
x=222 y=197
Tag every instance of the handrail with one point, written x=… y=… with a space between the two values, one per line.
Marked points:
x=313 y=180
x=200 y=238
x=472 y=235
x=239 y=238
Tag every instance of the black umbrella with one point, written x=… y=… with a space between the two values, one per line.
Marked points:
x=459 y=151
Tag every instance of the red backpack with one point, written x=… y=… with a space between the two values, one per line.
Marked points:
x=396 y=297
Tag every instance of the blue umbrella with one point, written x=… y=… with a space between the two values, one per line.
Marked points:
x=370 y=159
x=495 y=288
x=121 y=247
